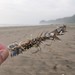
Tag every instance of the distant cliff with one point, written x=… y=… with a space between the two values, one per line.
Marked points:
x=60 y=20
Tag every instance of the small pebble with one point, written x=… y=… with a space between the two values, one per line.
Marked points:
x=62 y=74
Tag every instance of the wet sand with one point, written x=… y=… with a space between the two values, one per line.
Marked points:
x=57 y=58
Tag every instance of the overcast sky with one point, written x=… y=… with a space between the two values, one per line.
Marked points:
x=29 y=12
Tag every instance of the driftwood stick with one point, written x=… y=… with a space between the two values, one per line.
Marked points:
x=17 y=48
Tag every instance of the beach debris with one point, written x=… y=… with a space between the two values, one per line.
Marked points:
x=17 y=48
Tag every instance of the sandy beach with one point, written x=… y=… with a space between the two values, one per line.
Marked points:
x=57 y=58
